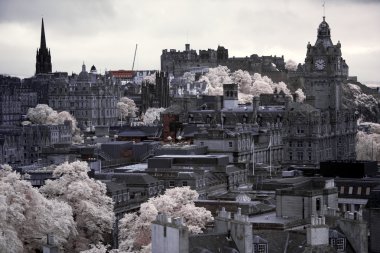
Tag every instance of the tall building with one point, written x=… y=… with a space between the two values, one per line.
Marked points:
x=90 y=97
x=322 y=129
x=43 y=58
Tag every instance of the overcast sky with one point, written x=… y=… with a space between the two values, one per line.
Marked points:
x=104 y=32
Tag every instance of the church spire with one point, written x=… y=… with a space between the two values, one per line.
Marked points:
x=43 y=57
x=43 y=40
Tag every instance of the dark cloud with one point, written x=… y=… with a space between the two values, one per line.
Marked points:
x=76 y=16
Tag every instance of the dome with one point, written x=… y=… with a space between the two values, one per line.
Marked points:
x=242 y=198
x=83 y=75
x=323 y=36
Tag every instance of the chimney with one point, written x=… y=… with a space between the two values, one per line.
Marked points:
x=317 y=232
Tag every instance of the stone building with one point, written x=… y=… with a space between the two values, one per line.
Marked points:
x=10 y=102
x=177 y=63
x=156 y=95
x=11 y=146
x=321 y=129
x=37 y=137
x=91 y=98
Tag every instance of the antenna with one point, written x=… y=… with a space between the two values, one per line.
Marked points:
x=324 y=9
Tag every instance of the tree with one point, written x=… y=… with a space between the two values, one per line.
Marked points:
x=127 y=107
x=152 y=114
x=26 y=216
x=135 y=231
x=291 y=65
x=300 y=95
x=150 y=79
x=92 y=209
x=368 y=143
x=214 y=79
x=43 y=114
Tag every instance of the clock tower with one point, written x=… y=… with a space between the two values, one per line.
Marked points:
x=325 y=71
x=323 y=129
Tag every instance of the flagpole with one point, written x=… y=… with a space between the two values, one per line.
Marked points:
x=270 y=155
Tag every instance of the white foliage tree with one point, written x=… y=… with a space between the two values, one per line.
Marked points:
x=261 y=85
x=300 y=95
x=26 y=216
x=367 y=105
x=249 y=85
x=151 y=115
x=291 y=65
x=135 y=231
x=44 y=114
x=215 y=78
x=92 y=208
x=150 y=79
x=368 y=143
x=127 y=107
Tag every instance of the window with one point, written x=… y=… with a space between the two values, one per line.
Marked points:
x=290 y=144
x=202 y=143
x=341 y=244
x=260 y=248
x=230 y=144
x=171 y=184
x=184 y=183
x=359 y=192
x=318 y=204
x=300 y=156
x=342 y=190
x=350 y=190
x=309 y=156
x=290 y=156
x=367 y=190
x=299 y=144
x=309 y=143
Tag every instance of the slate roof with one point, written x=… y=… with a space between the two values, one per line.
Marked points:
x=130 y=179
x=141 y=131
x=211 y=243
x=301 y=107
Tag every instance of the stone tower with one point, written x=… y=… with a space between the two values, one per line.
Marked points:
x=322 y=129
x=43 y=58
x=325 y=70
x=230 y=95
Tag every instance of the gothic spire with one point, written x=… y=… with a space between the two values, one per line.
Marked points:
x=43 y=57
x=43 y=40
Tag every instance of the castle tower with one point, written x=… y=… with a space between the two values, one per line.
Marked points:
x=43 y=58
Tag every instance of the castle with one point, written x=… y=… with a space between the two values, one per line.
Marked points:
x=177 y=63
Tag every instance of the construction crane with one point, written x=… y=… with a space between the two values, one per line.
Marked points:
x=134 y=58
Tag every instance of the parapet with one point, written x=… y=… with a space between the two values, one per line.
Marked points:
x=164 y=219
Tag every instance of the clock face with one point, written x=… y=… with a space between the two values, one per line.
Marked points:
x=320 y=64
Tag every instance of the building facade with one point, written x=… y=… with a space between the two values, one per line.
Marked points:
x=89 y=97
x=322 y=129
